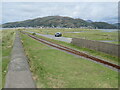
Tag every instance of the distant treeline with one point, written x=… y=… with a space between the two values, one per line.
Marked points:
x=59 y=22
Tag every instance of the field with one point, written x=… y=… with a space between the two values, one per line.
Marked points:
x=52 y=68
x=110 y=37
x=7 y=42
x=98 y=54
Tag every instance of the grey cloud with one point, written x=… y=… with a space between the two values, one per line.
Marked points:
x=89 y=10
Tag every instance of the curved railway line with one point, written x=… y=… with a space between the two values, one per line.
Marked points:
x=61 y=47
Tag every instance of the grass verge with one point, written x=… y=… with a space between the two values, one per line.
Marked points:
x=98 y=54
x=0 y=60
x=52 y=68
x=7 y=43
x=89 y=34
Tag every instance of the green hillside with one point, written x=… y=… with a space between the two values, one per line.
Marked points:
x=58 y=21
x=104 y=25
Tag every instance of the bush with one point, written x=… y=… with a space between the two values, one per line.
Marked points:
x=33 y=33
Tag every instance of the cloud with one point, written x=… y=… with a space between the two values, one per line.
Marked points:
x=60 y=0
x=96 y=11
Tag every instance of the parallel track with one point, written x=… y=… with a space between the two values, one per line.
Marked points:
x=61 y=47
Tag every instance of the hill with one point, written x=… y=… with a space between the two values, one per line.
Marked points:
x=104 y=25
x=58 y=21
x=117 y=25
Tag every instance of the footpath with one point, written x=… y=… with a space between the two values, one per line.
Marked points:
x=19 y=75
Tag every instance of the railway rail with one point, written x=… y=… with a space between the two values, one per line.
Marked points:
x=61 y=47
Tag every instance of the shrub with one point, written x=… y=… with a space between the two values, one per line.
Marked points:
x=33 y=33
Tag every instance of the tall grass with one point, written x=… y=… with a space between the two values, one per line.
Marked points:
x=7 y=43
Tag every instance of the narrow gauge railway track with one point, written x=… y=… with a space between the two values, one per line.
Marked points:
x=61 y=47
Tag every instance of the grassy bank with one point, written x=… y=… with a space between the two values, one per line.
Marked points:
x=52 y=68
x=89 y=34
x=7 y=43
x=98 y=54
x=0 y=60
x=53 y=31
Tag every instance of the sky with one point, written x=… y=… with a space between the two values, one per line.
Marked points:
x=95 y=11
x=60 y=0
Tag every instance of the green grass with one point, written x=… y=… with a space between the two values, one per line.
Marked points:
x=52 y=68
x=96 y=35
x=7 y=43
x=98 y=54
x=53 y=31
x=0 y=61
x=87 y=34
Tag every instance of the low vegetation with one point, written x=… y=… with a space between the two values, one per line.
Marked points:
x=0 y=60
x=98 y=54
x=7 y=43
x=89 y=34
x=52 y=68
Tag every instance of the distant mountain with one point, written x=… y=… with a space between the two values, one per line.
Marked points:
x=58 y=21
x=104 y=25
x=117 y=25
x=90 y=21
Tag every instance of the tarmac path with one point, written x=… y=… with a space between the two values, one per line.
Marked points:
x=65 y=39
x=19 y=75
